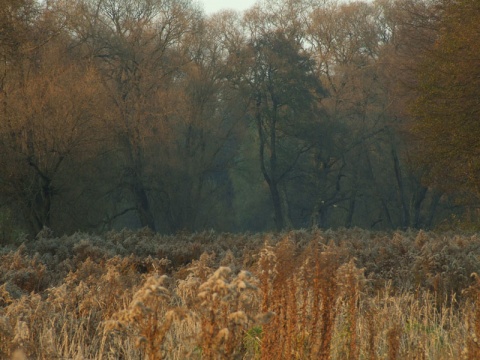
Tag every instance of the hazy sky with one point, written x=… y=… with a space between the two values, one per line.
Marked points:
x=212 y=6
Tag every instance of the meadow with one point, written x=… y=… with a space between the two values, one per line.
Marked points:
x=343 y=294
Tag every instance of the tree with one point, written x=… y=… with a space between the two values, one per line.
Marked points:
x=344 y=41
x=139 y=48
x=365 y=54
x=284 y=94
x=447 y=111
x=205 y=132
x=47 y=100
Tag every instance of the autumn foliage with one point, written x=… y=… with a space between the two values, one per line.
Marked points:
x=447 y=109
x=156 y=118
x=291 y=114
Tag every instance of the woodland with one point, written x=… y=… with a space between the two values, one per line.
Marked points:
x=297 y=181
x=293 y=114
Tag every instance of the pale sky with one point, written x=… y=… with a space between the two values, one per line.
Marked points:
x=211 y=6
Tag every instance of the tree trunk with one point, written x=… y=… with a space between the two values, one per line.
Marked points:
x=143 y=206
x=383 y=202
x=433 y=209
x=351 y=211
x=417 y=205
x=270 y=174
x=277 y=206
x=401 y=189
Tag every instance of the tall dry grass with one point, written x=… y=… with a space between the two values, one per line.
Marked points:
x=346 y=294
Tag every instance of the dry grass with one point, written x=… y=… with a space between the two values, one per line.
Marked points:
x=347 y=294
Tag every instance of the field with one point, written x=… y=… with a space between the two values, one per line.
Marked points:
x=345 y=294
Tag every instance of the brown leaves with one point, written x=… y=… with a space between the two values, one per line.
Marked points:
x=447 y=110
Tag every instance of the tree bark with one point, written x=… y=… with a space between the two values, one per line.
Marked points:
x=401 y=189
x=143 y=206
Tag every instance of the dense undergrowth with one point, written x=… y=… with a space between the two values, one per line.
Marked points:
x=344 y=294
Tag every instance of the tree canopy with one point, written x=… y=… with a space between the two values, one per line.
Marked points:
x=292 y=114
x=447 y=111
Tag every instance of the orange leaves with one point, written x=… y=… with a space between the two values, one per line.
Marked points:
x=447 y=111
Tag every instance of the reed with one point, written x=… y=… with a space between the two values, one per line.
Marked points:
x=299 y=295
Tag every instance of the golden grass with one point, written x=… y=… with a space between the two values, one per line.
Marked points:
x=300 y=295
